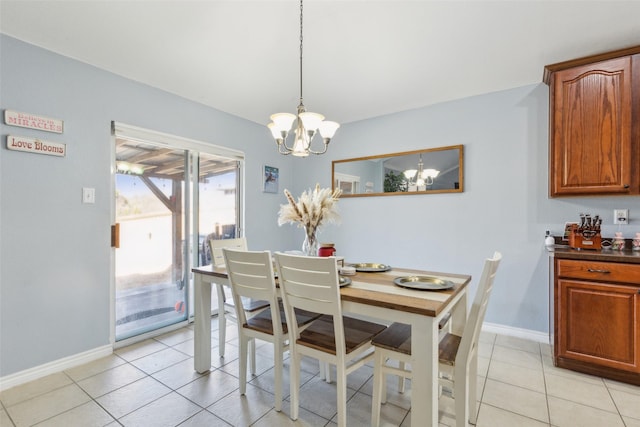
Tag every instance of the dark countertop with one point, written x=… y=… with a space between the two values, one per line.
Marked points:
x=565 y=252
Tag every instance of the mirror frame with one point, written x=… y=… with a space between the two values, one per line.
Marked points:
x=460 y=188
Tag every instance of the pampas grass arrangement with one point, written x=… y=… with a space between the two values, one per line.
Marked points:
x=313 y=209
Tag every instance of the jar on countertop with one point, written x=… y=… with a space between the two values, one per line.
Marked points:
x=636 y=242
x=618 y=242
x=549 y=241
x=326 y=249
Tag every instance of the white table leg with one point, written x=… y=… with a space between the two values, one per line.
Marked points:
x=424 y=364
x=222 y=320
x=202 y=324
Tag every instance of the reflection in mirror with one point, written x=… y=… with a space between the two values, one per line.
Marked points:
x=434 y=170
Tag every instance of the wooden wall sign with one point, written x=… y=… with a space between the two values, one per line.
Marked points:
x=31 y=121
x=34 y=145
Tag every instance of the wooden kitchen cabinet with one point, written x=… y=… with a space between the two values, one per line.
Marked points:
x=597 y=318
x=594 y=125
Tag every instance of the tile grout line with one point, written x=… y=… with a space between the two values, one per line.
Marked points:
x=614 y=403
x=493 y=343
x=546 y=391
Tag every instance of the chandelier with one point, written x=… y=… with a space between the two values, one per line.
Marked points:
x=420 y=178
x=307 y=125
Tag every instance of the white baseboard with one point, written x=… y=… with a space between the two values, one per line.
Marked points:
x=526 y=334
x=53 y=367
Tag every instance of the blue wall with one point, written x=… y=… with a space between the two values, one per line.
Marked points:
x=504 y=206
x=54 y=251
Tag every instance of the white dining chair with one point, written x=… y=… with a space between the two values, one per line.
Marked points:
x=312 y=283
x=251 y=276
x=226 y=308
x=458 y=355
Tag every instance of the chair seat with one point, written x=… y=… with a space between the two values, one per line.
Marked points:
x=448 y=349
x=263 y=323
x=397 y=337
x=249 y=304
x=320 y=334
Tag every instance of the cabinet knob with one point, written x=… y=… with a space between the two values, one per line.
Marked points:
x=626 y=186
x=593 y=270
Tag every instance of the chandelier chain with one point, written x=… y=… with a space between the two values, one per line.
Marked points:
x=300 y=51
x=307 y=124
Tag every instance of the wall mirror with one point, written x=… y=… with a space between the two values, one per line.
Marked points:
x=433 y=170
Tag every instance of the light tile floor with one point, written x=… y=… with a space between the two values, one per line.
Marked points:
x=153 y=383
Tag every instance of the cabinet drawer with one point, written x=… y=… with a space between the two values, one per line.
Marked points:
x=599 y=271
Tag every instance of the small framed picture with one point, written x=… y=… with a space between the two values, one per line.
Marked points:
x=270 y=178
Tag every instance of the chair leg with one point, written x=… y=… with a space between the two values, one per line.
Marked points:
x=242 y=372
x=325 y=371
x=383 y=380
x=278 y=362
x=401 y=379
x=222 y=320
x=294 y=385
x=461 y=398
x=322 y=366
x=252 y=356
x=341 y=386
x=472 y=389
x=378 y=376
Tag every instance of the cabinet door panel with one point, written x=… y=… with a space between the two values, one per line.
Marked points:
x=599 y=324
x=591 y=139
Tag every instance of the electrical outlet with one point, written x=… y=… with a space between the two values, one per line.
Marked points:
x=621 y=216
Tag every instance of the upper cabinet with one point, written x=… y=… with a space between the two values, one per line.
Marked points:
x=594 y=120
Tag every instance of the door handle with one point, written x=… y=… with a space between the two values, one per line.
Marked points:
x=115 y=235
x=592 y=270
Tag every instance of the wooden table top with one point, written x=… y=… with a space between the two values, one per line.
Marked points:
x=378 y=289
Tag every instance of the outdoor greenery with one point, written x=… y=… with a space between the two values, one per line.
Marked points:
x=394 y=183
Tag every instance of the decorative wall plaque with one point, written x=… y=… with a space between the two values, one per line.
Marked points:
x=32 y=121
x=35 y=145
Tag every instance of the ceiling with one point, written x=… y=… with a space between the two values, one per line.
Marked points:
x=362 y=58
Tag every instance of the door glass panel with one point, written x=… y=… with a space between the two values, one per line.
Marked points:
x=218 y=207
x=150 y=262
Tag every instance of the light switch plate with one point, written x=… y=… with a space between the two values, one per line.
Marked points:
x=88 y=195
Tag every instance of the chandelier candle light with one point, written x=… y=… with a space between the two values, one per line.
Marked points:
x=423 y=177
x=313 y=209
x=308 y=124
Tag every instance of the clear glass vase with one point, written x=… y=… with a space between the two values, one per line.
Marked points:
x=310 y=244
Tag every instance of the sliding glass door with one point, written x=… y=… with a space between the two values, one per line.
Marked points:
x=170 y=195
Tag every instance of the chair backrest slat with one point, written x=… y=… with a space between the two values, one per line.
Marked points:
x=251 y=276
x=469 y=341
x=312 y=284
x=216 y=246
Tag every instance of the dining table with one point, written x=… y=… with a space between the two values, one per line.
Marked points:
x=380 y=295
